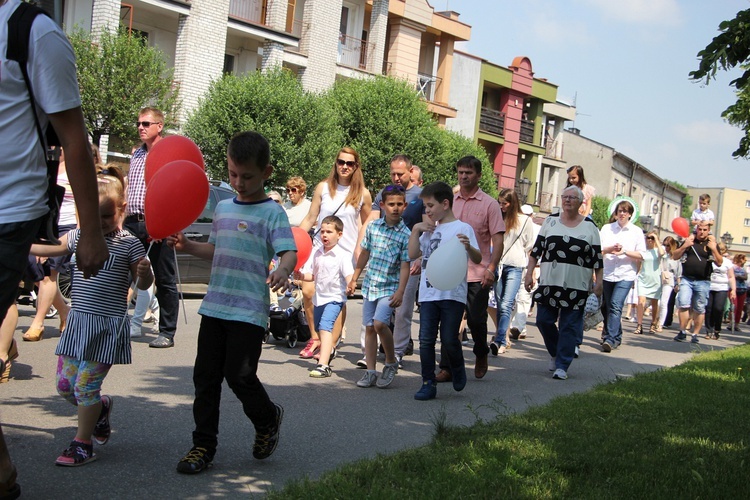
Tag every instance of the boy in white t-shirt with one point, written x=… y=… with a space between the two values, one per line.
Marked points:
x=331 y=269
x=703 y=213
x=440 y=310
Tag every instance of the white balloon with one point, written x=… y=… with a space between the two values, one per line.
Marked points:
x=447 y=266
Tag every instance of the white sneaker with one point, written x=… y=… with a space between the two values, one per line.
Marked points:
x=362 y=363
x=368 y=379
x=575 y=354
x=552 y=365
x=135 y=332
x=560 y=374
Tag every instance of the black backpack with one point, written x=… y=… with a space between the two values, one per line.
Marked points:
x=19 y=32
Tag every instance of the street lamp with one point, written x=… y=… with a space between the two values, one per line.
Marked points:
x=522 y=189
x=727 y=239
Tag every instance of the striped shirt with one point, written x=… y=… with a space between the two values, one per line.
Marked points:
x=388 y=247
x=98 y=328
x=246 y=236
x=137 y=182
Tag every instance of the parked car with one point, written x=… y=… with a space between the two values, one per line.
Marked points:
x=193 y=269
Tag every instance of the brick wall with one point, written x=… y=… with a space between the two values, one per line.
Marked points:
x=199 y=55
x=320 y=42
x=105 y=14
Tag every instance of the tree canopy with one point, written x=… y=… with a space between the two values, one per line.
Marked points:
x=729 y=49
x=118 y=74
x=379 y=117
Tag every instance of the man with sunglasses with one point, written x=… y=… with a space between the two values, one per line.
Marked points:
x=150 y=125
x=401 y=169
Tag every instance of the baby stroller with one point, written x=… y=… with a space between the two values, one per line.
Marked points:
x=286 y=321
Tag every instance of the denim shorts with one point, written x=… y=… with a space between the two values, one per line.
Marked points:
x=326 y=315
x=378 y=309
x=693 y=294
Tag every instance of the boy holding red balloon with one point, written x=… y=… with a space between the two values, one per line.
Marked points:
x=247 y=232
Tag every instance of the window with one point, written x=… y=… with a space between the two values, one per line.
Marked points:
x=747 y=222
x=747 y=203
x=228 y=64
x=744 y=240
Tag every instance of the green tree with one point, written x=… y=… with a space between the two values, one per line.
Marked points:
x=118 y=74
x=687 y=202
x=302 y=131
x=599 y=206
x=729 y=49
x=384 y=116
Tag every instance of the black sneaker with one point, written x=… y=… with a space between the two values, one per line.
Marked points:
x=197 y=460
x=266 y=440
x=103 y=429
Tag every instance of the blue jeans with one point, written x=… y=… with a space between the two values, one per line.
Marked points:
x=561 y=340
x=505 y=296
x=444 y=316
x=615 y=293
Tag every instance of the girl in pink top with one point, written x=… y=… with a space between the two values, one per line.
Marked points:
x=576 y=178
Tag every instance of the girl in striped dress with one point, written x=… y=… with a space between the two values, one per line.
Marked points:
x=97 y=332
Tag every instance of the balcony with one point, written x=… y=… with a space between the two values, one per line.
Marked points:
x=553 y=149
x=491 y=121
x=353 y=52
x=252 y=11
x=527 y=130
x=426 y=86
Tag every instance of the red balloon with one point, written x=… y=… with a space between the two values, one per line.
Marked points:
x=175 y=197
x=304 y=246
x=169 y=149
x=681 y=227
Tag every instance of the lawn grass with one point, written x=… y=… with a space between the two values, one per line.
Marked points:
x=681 y=432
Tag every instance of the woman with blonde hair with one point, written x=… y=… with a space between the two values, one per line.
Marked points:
x=298 y=206
x=344 y=195
x=649 y=279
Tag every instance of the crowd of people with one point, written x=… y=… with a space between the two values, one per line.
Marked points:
x=511 y=261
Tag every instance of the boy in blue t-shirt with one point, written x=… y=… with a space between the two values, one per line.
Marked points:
x=440 y=310
x=247 y=232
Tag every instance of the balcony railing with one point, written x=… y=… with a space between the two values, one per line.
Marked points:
x=527 y=130
x=353 y=52
x=492 y=121
x=426 y=86
x=247 y=10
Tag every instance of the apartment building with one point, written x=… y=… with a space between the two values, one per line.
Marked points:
x=732 y=210
x=613 y=174
x=517 y=119
x=320 y=40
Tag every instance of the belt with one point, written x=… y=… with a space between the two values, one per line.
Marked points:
x=135 y=218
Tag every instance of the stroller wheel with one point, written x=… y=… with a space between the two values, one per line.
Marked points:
x=291 y=339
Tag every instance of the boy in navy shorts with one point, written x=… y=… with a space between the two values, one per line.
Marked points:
x=247 y=232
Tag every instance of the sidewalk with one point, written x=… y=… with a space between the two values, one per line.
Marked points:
x=327 y=422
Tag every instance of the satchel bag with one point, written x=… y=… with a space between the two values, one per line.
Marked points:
x=592 y=312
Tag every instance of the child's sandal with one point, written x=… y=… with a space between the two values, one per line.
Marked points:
x=638 y=330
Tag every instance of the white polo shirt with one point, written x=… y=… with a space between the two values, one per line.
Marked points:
x=621 y=267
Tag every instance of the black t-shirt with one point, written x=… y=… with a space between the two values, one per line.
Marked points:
x=696 y=261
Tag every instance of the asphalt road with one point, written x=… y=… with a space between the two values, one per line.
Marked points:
x=327 y=422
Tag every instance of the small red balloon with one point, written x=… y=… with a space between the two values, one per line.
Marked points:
x=169 y=149
x=175 y=197
x=681 y=227
x=304 y=246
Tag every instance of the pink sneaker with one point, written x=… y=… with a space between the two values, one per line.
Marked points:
x=312 y=346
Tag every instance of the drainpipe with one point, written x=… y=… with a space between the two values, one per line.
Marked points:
x=632 y=175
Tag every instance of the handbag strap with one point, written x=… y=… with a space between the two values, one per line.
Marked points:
x=506 y=249
x=334 y=213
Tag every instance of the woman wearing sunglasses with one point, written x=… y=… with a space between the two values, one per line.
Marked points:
x=298 y=206
x=344 y=195
x=649 y=279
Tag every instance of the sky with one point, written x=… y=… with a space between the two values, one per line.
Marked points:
x=626 y=64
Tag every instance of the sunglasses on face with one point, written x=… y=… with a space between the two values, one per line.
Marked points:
x=145 y=124
x=341 y=163
x=650 y=238
x=291 y=190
